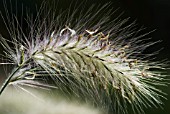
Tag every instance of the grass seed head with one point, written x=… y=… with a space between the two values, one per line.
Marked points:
x=102 y=62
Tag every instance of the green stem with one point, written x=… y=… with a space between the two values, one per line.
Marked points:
x=8 y=80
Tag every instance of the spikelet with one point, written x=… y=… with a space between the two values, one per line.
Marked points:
x=102 y=62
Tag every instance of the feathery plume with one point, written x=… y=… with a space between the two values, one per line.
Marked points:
x=92 y=57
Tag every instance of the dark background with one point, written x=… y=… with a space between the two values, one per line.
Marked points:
x=152 y=14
